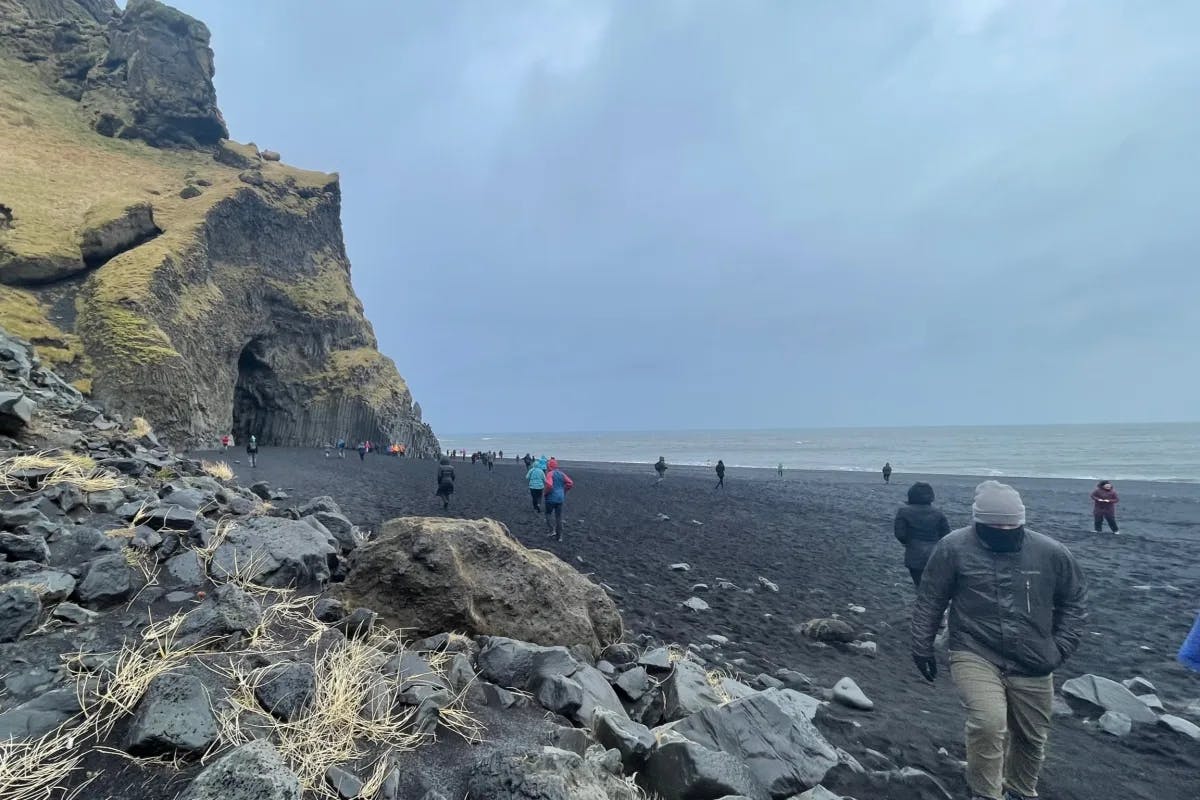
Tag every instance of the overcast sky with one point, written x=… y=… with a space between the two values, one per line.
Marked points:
x=594 y=214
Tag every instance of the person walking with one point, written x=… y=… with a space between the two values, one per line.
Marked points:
x=720 y=475
x=781 y=469
x=225 y=443
x=527 y=460
x=557 y=484
x=887 y=472
x=919 y=527
x=362 y=451
x=1104 y=507
x=341 y=447
x=1017 y=603
x=536 y=480
x=445 y=482
x=252 y=451
x=660 y=467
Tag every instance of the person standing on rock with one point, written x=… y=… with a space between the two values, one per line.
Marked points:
x=887 y=472
x=1017 y=604
x=536 y=480
x=557 y=484
x=445 y=482
x=252 y=451
x=919 y=527
x=660 y=467
x=720 y=475
x=1104 y=507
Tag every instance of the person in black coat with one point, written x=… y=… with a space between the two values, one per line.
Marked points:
x=720 y=475
x=919 y=527
x=445 y=482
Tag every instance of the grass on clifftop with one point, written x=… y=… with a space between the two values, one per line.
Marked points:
x=327 y=292
x=22 y=314
x=362 y=372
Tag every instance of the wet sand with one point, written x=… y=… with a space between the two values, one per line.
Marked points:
x=826 y=540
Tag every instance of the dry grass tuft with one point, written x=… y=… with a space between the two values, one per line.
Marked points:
x=714 y=678
x=139 y=427
x=32 y=769
x=217 y=469
x=64 y=468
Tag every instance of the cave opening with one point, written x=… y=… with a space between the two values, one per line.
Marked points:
x=257 y=397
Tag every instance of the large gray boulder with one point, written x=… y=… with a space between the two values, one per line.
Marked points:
x=617 y=732
x=40 y=715
x=785 y=753
x=20 y=547
x=1095 y=693
x=430 y=575
x=19 y=612
x=16 y=411
x=686 y=691
x=254 y=771
x=285 y=690
x=173 y=716
x=107 y=581
x=551 y=774
x=228 y=611
x=275 y=552
x=679 y=769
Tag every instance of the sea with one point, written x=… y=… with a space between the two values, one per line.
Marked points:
x=1149 y=452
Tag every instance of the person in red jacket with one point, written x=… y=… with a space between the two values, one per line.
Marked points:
x=558 y=483
x=1104 y=506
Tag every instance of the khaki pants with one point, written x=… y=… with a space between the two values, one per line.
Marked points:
x=1008 y=722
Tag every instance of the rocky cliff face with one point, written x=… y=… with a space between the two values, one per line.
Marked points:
x=175 y=274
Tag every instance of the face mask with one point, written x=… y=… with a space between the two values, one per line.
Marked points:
x=1000 y=540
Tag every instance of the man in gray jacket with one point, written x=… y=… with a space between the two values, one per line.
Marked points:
x=1017 y=609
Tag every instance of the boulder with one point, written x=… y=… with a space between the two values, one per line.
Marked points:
x=345 y=783
x=429 y=575
x=785 y=753
x=552 y=674
x=173 y=716
x=659 y=659
x=342 y=528
x=847 y=693
x=285 y=690
x=107 y=581
x=19 y=612
x=631 y=739
x=1116 y=723
x=633 y=683
x=69 y=612
x=679 y=769
x=686 y=691
x=16 y=411
x=50 y=585
x=185 y=568
x=254 y=771
x=1096 y=693
x=695 y=604
x=1180 y=725
x=551 y=774
x=40 y=715
x=828 y=630
x=274 y=552
x=19 y=547
x=227 y=611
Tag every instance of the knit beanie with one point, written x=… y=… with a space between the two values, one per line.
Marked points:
x=997 y=504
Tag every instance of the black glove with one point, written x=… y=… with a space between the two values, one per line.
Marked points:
x=926 y=666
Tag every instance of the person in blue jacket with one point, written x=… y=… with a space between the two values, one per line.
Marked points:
x=536 y=477
x=558 y=483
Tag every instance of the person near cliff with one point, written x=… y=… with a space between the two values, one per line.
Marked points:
x=341 y=447
x=887 y=472
x=660 y=467
x=536 y=480
x=1017 y=603
x=252 y=450
x=555 y=489
x=720 y=475
x=225 y=443
x=445 y=482
x=919 y=527
x=1104 y=507
x=362 y=451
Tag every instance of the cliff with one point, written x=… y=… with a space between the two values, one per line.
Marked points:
x=169 y=272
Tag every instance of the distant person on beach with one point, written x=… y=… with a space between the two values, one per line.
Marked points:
x=557 y=484
x=781 y=469
x=362 y=451
x=1104 y=506
x=224 y=443
x=536 y=480
x=919 y=527
x=341 y=447
x=660 y=467
x=252 y=450
x=720 y=475
x=528 y=459
x=1017 y=609
x=445 y=482
x=887 y=472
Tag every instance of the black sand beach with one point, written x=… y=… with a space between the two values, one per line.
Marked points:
x=826 y=540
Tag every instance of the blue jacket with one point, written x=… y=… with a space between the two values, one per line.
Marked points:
x=537 y=474
x=1189 y=654
x=558 y=483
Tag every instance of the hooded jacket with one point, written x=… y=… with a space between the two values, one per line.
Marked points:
x=445 y=475
x=1022 y=609
x=558 y=483
x=537 y=475
x=919 y=527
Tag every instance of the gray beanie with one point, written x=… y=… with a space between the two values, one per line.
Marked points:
x=997 y=504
